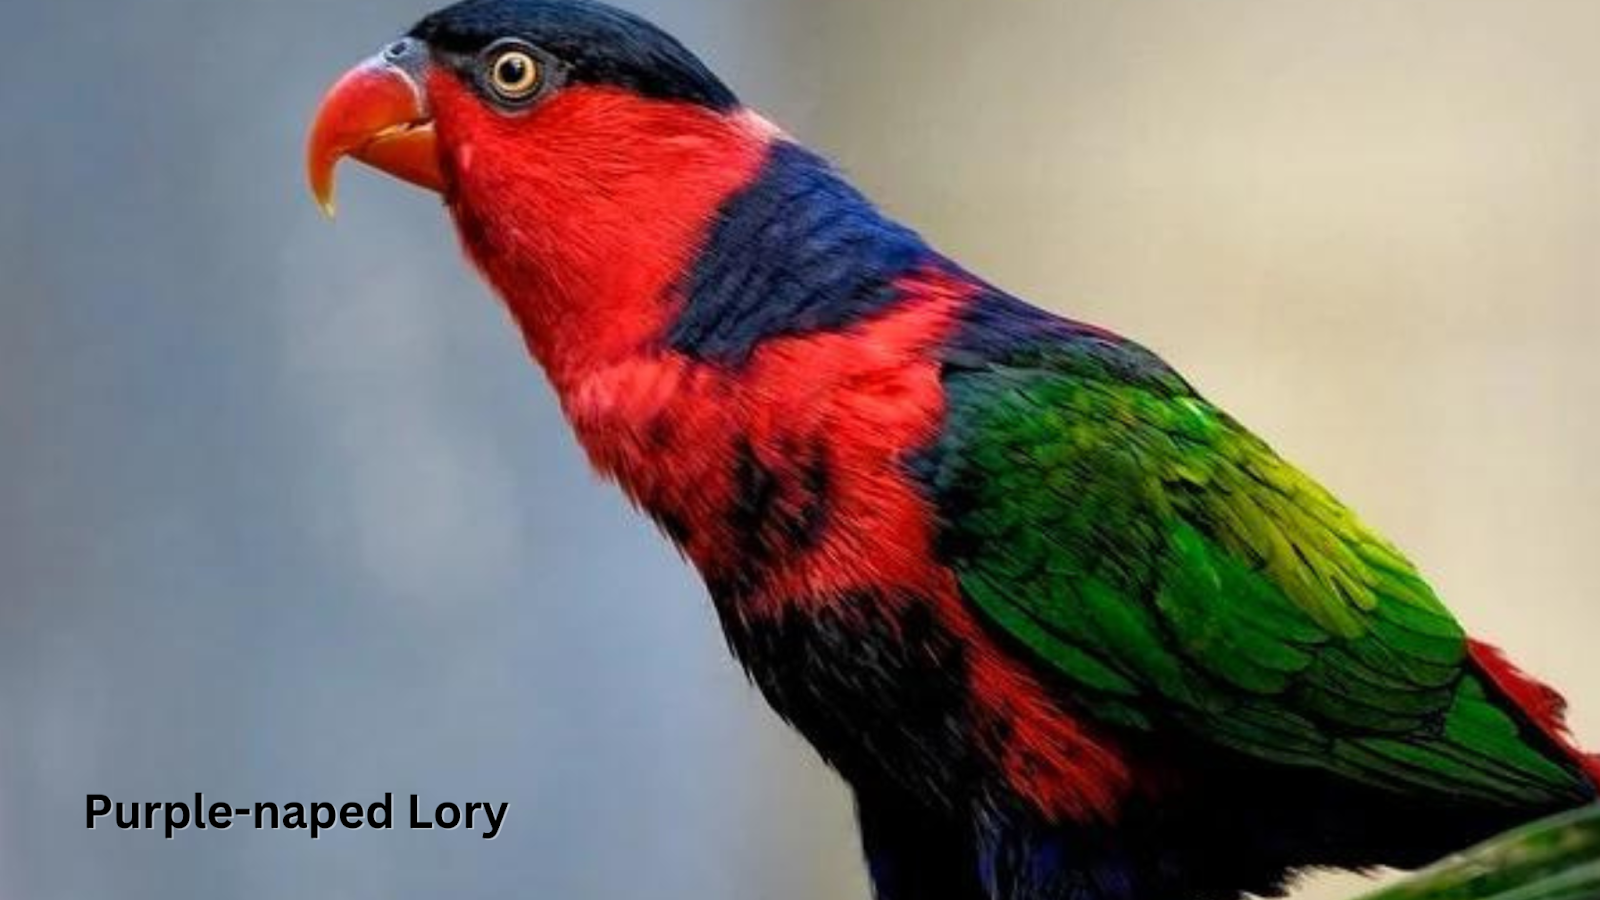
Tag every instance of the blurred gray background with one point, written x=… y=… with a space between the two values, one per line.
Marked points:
x=285 y=514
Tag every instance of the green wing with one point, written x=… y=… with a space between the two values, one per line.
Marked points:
x=1180 y=575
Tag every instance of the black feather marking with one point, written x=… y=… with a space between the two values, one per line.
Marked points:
x=778 y=510
x=917 y=854
x=597 y=45
x=876 y=683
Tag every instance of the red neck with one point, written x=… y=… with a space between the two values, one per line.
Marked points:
x=587 y=211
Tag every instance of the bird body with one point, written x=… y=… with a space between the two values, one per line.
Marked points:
x=1066 y=628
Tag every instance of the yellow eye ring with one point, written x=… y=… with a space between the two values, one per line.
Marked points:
x=515 y=74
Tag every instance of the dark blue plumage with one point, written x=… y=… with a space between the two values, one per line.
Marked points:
x=797 y=250
x=996 y=326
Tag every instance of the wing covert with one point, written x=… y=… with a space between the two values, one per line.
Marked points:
x=1178 y=574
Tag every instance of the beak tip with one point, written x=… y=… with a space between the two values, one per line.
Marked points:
x=324 y=199
x=319 y=172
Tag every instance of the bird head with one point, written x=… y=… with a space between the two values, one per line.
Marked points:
x=580 y=149
x=491 y=69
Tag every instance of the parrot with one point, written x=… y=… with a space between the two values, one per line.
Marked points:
x=1065 y=628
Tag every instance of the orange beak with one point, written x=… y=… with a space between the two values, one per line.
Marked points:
x=378 y=114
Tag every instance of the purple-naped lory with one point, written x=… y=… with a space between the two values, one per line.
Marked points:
x=1066 y=628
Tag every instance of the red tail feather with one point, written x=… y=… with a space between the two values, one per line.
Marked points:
x=1543 y=706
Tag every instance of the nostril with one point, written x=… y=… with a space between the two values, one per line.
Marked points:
x=397 y=50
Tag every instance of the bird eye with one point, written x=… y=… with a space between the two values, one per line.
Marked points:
x=514 y=74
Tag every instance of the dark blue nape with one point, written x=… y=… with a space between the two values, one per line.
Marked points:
x=797 y=251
